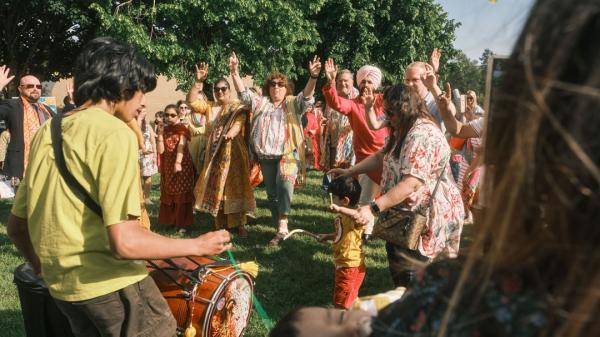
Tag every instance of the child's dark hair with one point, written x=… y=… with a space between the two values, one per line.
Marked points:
x=285 y=326
x=345 y=187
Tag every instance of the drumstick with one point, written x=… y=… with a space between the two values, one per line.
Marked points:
x=183 y=271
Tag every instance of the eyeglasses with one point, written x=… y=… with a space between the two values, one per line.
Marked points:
x=31 y=86
x=170 y=115
x=277 y=84
x=221 y=89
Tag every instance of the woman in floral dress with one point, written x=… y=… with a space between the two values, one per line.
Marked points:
x=413 y=159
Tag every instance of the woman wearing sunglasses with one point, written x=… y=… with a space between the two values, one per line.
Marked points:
x=223 y=188
x=176 y=172
x=414 y=158
x=276 y=137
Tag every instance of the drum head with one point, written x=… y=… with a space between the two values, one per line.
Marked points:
x=229 y=313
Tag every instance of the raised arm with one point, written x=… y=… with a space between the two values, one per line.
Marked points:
x=340 y=104
x=448 y=110
x=201 y=74
x=314 y=68
x=368 y=99
x=234 y=63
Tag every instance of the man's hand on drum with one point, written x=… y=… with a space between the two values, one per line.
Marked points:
x=214 y=243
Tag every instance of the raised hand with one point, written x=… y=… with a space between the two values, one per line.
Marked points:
x=233 y=63
x=428 y=77
x=4 y=78
x=201 y=71
x=368 y=97
x=314 y=67
x=445 y=100
x=434 y=60
x=330 y=70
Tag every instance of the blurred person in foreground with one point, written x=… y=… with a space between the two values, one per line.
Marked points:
x=540 y=272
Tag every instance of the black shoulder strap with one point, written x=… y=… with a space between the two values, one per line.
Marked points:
x=80 y=192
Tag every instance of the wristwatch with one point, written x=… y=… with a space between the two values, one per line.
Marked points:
x=374 y=208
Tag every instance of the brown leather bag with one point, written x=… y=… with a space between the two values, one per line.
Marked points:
x=403 y=227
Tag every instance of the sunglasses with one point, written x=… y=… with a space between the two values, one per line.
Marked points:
x=277 y=84
x=221 y=89
x=469 y=98
x=31 y=86
x=170 y=115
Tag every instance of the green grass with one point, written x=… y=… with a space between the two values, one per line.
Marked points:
x=299 y=272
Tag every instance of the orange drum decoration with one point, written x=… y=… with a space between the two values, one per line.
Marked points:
x=211 y=296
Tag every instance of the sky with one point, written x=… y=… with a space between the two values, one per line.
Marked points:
x=487 y=25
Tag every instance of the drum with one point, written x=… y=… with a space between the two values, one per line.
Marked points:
x=212 y=296
x=41 y=316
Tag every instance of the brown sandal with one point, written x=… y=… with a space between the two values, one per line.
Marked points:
x=278 y=237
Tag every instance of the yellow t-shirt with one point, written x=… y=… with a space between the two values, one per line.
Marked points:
x=71 y=240
x=347 y=244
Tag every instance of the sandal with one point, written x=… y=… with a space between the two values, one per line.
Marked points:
x=242 y=233
x=278 y=237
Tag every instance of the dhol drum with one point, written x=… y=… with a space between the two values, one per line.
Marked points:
x=211 y=295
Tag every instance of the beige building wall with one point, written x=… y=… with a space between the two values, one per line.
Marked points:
x=165 y=93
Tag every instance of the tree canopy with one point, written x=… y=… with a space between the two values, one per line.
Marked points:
x=45 y=37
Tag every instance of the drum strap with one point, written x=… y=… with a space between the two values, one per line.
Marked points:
x=78 y=190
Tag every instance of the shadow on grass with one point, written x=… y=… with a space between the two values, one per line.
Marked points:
x=11 y=323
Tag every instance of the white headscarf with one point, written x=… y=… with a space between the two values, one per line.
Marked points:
x=371 y=72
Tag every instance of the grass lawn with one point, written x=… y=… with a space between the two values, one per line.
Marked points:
x=299 y=272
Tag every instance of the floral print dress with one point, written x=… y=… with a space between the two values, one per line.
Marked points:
x=423 y=155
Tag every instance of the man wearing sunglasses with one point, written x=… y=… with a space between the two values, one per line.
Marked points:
x=23 y=117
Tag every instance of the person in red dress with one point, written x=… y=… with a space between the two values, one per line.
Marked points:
x=176 y=172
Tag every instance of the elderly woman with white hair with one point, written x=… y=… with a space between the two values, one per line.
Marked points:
x=366 y=141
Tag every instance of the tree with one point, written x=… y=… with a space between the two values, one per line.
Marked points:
x=464 y=74
x=389 y=33
x=43 y=37
x=265 y=35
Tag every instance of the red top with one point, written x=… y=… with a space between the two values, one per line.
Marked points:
x=365 y=141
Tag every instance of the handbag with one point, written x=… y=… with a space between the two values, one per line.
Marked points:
x=403 y=227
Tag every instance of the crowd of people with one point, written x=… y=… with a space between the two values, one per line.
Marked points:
x=403 y=150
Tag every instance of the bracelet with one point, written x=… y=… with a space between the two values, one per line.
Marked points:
x=314 y=77
x=441 y=95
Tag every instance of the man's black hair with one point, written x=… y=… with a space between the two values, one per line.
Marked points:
x=170 y=106
x=345 y=187
x=111 y=70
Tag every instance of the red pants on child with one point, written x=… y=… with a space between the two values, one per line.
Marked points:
x=347 y=283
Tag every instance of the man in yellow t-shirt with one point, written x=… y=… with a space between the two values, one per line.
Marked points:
x=90 y=263
x=348 y=255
